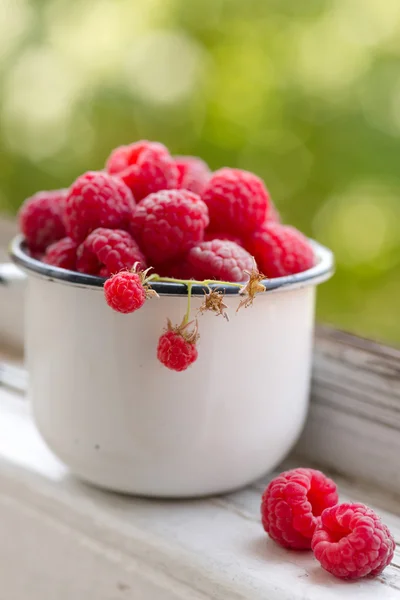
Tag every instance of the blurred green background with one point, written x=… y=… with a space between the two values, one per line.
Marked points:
x=304 y=93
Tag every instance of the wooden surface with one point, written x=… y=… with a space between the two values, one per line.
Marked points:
x=8 y=228
x=354 y=421
x=62 y=539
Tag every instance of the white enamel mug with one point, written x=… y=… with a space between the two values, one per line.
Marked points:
x=121 y=420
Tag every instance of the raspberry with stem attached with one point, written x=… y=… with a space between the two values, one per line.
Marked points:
x=176 y=348
x=127 y=291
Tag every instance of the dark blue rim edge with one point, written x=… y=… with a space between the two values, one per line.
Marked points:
x=321 y=271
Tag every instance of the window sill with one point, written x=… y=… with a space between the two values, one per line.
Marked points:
x=100 y=545
x=103 y=546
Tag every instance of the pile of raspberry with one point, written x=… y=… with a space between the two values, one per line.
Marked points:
x=170 y=213
x=300 y=510
x=148 y=209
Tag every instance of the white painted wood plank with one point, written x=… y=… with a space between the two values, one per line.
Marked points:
x=11 y=297
x=43 y=558
x=80 y=541
x=354 y=421
x=11 y=309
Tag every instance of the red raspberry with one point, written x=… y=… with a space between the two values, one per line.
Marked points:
x=62 y=254
x=40 y=219
x=280 y=250
x=238 y=201
x=168 y=223
x=35 y=254
x=219 y=259
x=125 y=292
x=218 y=235
x=145 y=167
x=95 y=200
x=193 y=173
x=352 y=542
x=178 y=269
x=177 y=348
x=292 y=504
x=108 y=251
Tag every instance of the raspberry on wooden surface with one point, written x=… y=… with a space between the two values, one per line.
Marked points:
x=108 y=251
x=219 y=259
x=194 y=173
x=168 y=223
x=146 y=167
x=97 y=199
x=238 y=201
x=351 y=541
x=292 y=504
x=41 y=219
x=280 y=250
x=62 y=254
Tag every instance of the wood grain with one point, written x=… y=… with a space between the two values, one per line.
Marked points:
x=354 y=420
x=8 y=228
x=63 y=539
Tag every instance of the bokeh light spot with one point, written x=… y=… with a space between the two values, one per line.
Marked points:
x=325 y=60
x=165 y=67
x=15 y=19
x=39 y=94
x=360 y=225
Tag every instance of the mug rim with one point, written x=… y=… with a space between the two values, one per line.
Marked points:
x=320 y=272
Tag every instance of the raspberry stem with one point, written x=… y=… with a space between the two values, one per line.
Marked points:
x=249 y=289
x=191 y=282
x=189 y=292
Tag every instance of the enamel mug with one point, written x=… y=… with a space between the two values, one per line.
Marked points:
x=120 y=420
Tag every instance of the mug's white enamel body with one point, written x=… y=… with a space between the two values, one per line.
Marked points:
x=121 y=420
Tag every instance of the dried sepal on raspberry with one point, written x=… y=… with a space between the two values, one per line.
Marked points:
x=144 y=279
x=252 y=287
x=177 y=348
x=214 y=302
x=189 y=330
